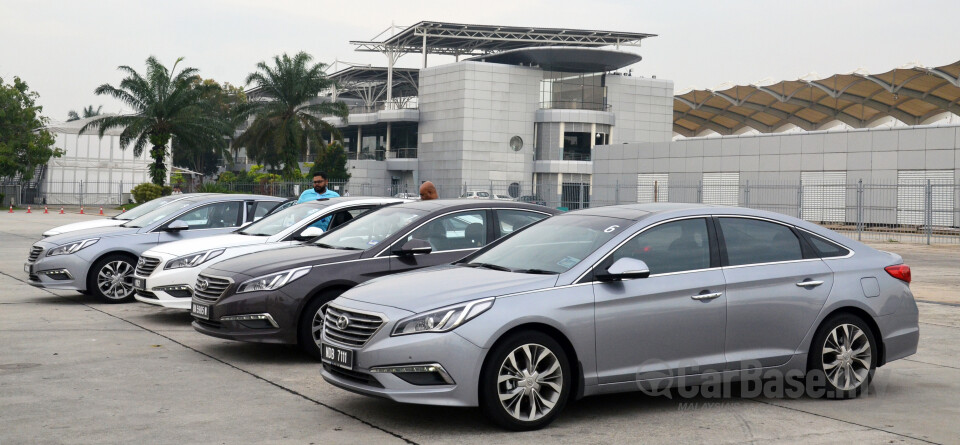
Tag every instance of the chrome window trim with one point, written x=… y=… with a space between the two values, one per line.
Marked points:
x=614 y=249
x=771 y=263
x=848 y=255
x=431 y=220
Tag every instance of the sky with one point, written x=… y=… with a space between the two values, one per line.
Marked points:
x=65 y=49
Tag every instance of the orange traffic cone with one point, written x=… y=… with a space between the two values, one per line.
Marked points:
x=81 y=210
x=61 y=210
x=28 y=209
x=11 y=209
x=101 y=210
x=123 y=210
x=45 y=210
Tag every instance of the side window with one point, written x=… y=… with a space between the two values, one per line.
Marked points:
x=345 y=216
x=213 y=216
x=463 y=230
x=825 y=248
x=263 y=207
x=752 y=241
x=512 y=220
x=671 y=247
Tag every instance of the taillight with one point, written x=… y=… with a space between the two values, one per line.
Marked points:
x=900 y=272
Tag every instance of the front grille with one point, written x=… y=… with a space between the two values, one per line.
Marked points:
x=353 y=376
x=147 y=294
x=35 y=252
x=34 y=277
x=146 y=266
x=209 y=289
x=359 y=328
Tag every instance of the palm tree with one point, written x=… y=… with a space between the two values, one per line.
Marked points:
x=167 y=105
x=291 y=116
x=87 y=112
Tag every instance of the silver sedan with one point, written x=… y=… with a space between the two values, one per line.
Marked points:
x=626 y=298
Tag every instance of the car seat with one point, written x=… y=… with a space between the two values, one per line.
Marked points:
x=474 y=235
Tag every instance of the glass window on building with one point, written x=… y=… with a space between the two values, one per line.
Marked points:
x=573 y=91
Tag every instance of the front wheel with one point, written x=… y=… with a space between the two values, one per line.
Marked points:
x=310 y=329
x=844 y=353
x=111 y=279
x=525 y=381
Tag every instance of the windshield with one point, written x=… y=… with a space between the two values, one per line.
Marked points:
x=275 y=223
x=552 y=246
x=145 y=208
x=159 y=213
x=370 y=230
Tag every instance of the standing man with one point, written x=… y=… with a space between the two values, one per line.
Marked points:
x=319 y=191
x=428 y=191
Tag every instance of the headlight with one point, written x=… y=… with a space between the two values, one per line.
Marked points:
x=67 y=249
x=193 y=259
x=443 y=319
x=273 y=281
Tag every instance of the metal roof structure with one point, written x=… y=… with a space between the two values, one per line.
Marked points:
x=564 y=58
x=912 y=94
x=459 y=39
x=369 y=82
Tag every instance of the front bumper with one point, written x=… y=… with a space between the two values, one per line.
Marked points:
x=460 y=359
x=281 y=329
x=154 y=284
x=74 y=268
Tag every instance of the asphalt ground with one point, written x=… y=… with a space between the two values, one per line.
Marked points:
x=74 y=370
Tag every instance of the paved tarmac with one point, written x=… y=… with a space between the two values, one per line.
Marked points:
x=74 y=370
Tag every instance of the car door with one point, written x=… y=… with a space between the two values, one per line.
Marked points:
x=452 y=236
x=670 y=323
x=776 y=287
x=206 y=220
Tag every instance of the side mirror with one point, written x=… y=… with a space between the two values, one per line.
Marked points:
x=310 y=232
x=177 y=226
x=414 y=247
x=625 y=268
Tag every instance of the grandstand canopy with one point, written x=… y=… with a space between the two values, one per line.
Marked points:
x=912 y=94
x=464 y=39
x=353 y=81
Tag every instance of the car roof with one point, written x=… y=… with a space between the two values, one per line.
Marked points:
x=323 y=202
x=232 y=196
x=438 y=204
x=641 y=211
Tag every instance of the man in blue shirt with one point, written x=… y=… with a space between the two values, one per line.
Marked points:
x=319 y=191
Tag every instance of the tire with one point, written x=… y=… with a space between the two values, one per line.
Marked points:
x=511 y=359
x=310 y=327
x=845 y=368
x=101 y=281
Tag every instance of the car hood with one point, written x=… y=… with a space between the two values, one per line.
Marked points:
x=275 y=260
x=97 y=232
x=440 y=286
x=188 y=246
x=99 y=222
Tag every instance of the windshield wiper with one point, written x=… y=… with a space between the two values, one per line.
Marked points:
x=538 y=271
x=489 y=266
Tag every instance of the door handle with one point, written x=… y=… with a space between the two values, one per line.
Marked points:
x=705 y=297
x=809 y=284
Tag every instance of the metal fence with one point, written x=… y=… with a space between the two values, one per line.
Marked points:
x=926 y=211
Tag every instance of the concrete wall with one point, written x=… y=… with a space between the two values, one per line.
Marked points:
x=468 y=113
x=643 y=109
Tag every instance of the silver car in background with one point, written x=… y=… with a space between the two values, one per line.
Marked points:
x=101 y=261
x=621 y=298
x=113 y=221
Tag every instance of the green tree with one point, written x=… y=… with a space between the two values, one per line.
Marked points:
x=333 y=161
x=168 y=105
x=222 y=101
x=87 y=112
x=24 y=143
x=292 y=113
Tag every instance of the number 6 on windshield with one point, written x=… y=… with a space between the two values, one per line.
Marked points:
x=611 y=228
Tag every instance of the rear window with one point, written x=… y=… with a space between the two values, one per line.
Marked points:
x=824 y=247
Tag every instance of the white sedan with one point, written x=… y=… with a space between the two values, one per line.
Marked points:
x=166 y=274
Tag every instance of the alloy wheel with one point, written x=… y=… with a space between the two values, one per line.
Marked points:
x=846 y=357
x=530 y=382
x=115 y=280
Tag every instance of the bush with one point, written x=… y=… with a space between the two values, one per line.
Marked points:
x=212 y=187
x=167 y=190
x=146 y=192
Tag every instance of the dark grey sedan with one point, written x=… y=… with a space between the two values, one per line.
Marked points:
x=623 y=298
x=278 y=296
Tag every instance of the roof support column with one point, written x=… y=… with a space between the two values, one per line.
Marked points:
x=424 y=46
x=390 y=59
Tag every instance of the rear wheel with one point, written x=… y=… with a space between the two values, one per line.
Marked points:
x=525 y=381
x=111 y=278
x=844 y=353
x=311 y=323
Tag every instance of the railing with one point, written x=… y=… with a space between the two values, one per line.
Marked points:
x=405 y=153
x=569 y=155
x=575 y=105
x=408 y=104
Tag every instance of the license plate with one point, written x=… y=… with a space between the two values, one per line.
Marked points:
x=337 y=356
x=200 y=311
x=28 y=268
x=138 y=284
